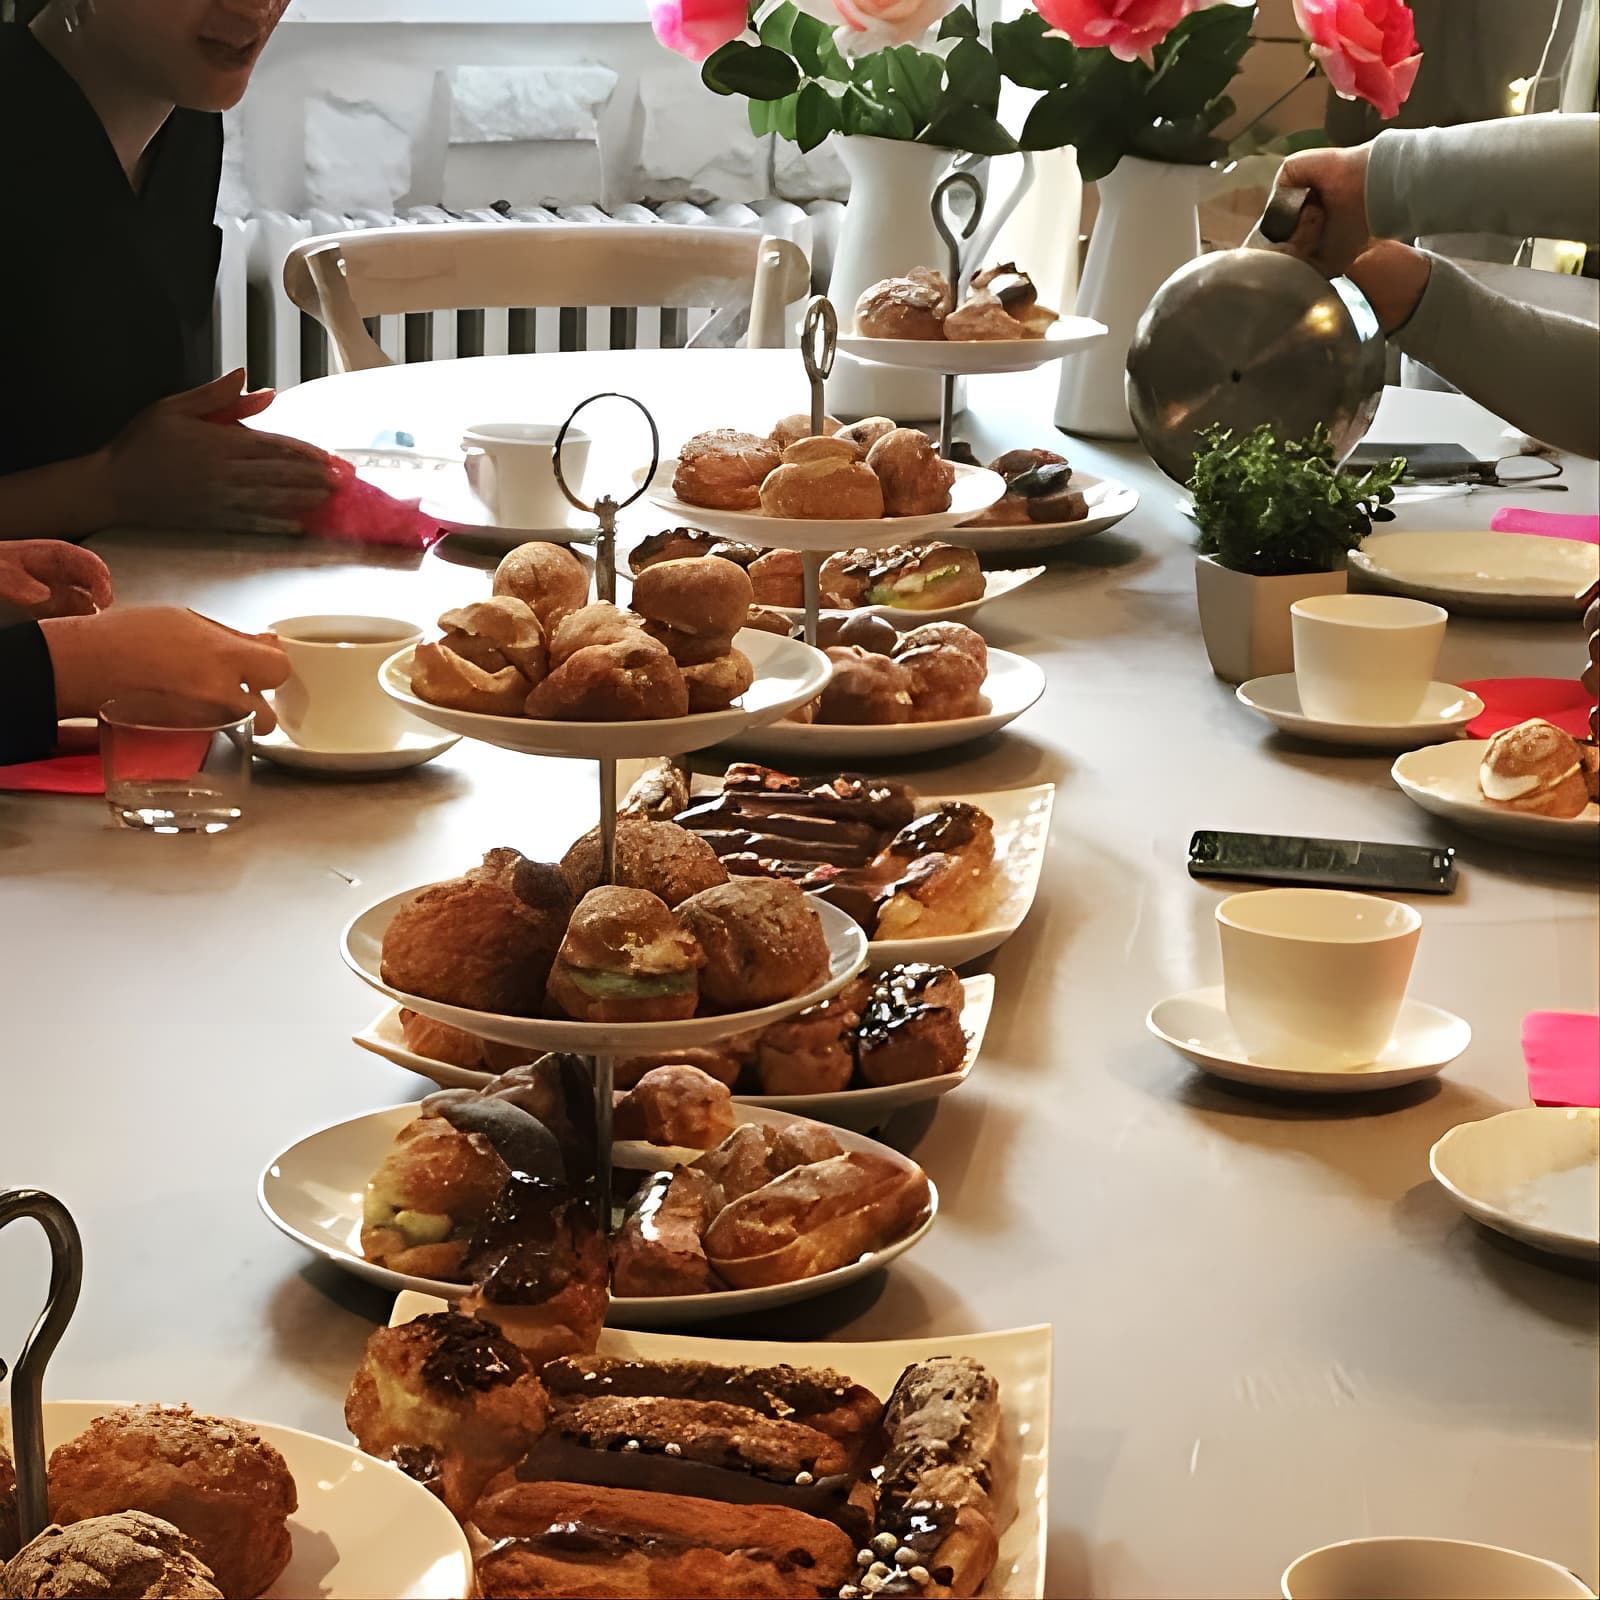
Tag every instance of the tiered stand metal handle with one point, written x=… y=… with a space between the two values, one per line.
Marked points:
x=27 y=1380
x=954 y=238
x=819 y=342
x=605 y=509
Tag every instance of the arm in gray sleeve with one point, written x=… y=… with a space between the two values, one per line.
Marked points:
x=1537 y=369
x=1522 y=176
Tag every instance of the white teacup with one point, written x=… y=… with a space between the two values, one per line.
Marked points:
x=1427 y=1569
x=1315 y=977
x=1365 y=657
x=333 y=700
x=511 y=468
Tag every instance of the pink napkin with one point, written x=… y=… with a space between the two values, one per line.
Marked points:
x=1508 y=701
x=56 y=775
x=1546 y=524
x=362 y=512
x=1562 y=1049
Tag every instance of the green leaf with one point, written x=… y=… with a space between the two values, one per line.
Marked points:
x=1197 y=61
x=778 y=29
x=971 y=76
x=859 y=114
x=760 y=114
x=969 y=128
x=959 y=24
x=811 y=44
x=785 y=116
x=914 y=79
x=814 y=116
x=758 y=71
x=1030 y=55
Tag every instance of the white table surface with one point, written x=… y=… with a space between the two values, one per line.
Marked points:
x=1272 y=1330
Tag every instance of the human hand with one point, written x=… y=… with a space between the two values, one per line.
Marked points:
x=1392 y=276
x=162 y=650
x=1333 y=228
x=51 y=578
x=184 y=463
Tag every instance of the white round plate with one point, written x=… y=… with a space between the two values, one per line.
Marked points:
x=1109 y=502
x=974 y=357
x=1443 y=780
x=1426 y=1040
x=974 y=490
x=363 y=1527
x=1533 y=1174
x=1514 y=574
x=788 y=673
x=414 y=750
x=1446 y=710
x=314 y=1192
x=1013 y=685
x=362 y=947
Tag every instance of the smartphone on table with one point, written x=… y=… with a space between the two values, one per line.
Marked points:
x=1322 y=863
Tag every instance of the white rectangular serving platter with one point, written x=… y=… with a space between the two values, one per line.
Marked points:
x=1019 y=1358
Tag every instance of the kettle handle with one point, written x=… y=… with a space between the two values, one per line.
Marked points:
x=1282 y=215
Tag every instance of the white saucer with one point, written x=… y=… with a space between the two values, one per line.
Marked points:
x=363 y=1527
x=975 y=357
x=1014 y=684
x=1426 y=1040
x=787 y=674
x=1446 y=710
x=1533 y=1174
x=1511 y=574
x=314 y=1192
x=1443 y=780
x=361 y=945
x=413 y=750
x=1109 y=502
x=974 y=490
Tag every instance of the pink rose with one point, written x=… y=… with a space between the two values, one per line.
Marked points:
x=1129 y=29
x=695 y=28
x=1368 y=48
x=875 y=24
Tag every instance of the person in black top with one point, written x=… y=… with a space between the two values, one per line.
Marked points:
x=112 y=141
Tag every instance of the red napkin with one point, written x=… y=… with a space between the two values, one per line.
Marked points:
x=56 y=775
x=1546 y=524
x=1508 y=701
x=1562 y=1049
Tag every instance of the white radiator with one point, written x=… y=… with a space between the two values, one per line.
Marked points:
x=257 y=326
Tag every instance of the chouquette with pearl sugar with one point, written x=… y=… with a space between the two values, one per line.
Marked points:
x=1534 y=767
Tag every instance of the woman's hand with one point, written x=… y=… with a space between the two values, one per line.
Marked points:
x=163 y=650
x=184 y=463
x=1333 y=228
x=50 y=578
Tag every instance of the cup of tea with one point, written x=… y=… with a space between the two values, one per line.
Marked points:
x=333 y=700
x=1365 y=657
x=511 y=468
x=1314 y=978
x=1427 y=1569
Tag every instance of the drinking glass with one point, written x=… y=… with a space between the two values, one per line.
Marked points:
x=174 y=765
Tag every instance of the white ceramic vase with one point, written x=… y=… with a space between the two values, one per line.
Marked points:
x=1148 y=226
x=1245 y=620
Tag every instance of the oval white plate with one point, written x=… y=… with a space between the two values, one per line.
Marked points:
x=1446 y=710
x=1109 y=502
x=1013 y=685
x=1533 y=1173
x=362 y=947
x=975 y=357
x=1018 y=1358
x=1512 y=573
x=974 y=490
x=363 y=1527
x=414 y=750
x=788 y=673
x=314 y=1191
x=1443 y=780
x=1426 y=1040
x=1408 y=1568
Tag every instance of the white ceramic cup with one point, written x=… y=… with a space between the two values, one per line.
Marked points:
x=333 y=700
x=1365 y=657
x=1315 y=977
x=511 y=468
x=1427 y=1569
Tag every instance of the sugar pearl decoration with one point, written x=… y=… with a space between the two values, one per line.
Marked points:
x=885 y=1544
x=863 y=1558
x=631 y=1444
x=905 y=1556
x=850 y=1592
x=674 y=1449
x=920 y=1575
x=878 y=1570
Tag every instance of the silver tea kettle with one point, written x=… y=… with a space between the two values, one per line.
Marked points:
x=1242 y=337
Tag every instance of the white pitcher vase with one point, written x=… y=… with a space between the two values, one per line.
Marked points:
x=887 y=230
x=1147 y=228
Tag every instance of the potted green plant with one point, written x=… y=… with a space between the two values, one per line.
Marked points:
x=1277 y=522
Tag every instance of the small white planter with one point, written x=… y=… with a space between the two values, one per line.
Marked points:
x=1245 y=619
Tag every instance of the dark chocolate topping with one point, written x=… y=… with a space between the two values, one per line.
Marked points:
x=525 y=1249
x=953 y=825
x=1042 y=481
x=518 y=1137
x=1014 y=290
x=579 y=1539
x=896 y=998
x=417 y=1461
x=468 y=1355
